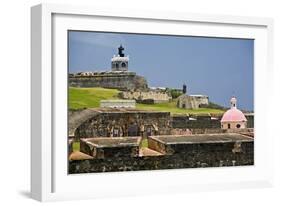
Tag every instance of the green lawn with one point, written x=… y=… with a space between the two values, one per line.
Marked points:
x=144 y=143
x=76 y=146
x=172 y=108
x=90 y=98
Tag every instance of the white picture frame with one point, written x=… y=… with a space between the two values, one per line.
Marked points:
x=49 y=178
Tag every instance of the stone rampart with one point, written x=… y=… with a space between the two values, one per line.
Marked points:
x=192 y=101
x=124 y=122
x=108 y=147
x=118 y=103
x=113 y=80
x=108 y=122
x=233 y=150
x=184 y=121
x=140 y=96
x=203 y=121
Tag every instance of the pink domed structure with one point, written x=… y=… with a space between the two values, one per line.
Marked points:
x=233 y=115
x=233 y=118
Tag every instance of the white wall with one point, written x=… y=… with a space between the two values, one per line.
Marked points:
x=15 y=95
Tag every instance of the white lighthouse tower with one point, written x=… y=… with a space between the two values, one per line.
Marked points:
x=120 y=62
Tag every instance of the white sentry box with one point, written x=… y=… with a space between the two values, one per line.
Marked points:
x=49 y=175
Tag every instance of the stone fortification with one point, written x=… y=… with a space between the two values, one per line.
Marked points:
x=107 y=147
x=116 y=122
x=177 y=152
x=192 y=101
x=118 y=103
x=119 y=77
x=108 y=122
x=203 y=121
x=122 y=80
x=144 y=96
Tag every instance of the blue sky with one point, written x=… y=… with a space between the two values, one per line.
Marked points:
x=217 y=67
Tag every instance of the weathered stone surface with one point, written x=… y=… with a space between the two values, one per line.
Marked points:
x=118 y=103
x=182 y=121
x=180 y=131
x=111 y=147
x=250 y=120
x=77 y=117
x=203 y=121
x=226 y=152
x=246 y=131
x=192 y=101
x=146 y=96
x=114 y=80
x=173 y=144
x=124 y=122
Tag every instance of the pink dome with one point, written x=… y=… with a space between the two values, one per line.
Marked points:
x=233 y=115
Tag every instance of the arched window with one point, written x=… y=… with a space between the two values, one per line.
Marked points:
x=123 y=64
x=116 y=132
x=228 y=126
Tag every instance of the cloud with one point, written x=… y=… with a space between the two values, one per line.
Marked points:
x=109 y=40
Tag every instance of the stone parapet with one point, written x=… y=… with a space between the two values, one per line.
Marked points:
x=118 y=103
x=111 y=147
x=113 y=80
x=218 y=151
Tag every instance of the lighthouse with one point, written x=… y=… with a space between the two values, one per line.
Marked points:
x=119 y=62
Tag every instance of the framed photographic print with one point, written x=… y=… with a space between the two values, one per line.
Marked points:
x=122 y=99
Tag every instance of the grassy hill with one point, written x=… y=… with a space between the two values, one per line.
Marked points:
x=172 y=107
x=90 y=98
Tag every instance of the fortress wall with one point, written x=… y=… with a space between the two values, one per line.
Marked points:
x=219 y=130
x=157 y=96
x=101 y=148
x=181 y=121
x=203 y=123
x=201 y=100
x=129 y=81
x=131 y=123
x=195 y=156
x=113 y=152
x=118 y=103
x=185 y=122
x=192 y=101
x=92 y=123
x=250 y=122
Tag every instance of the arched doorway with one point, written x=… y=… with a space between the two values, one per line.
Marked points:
x=149 y=130
x=116 y=131
x=133 y=130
